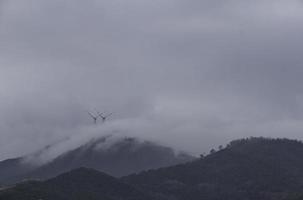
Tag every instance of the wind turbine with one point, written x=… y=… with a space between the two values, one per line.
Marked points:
x=104 y=117
x=95 y=117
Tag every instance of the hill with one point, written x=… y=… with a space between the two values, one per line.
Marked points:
x=252 y=169
x=12 y=168
x=79 y=184
x=118 y=158
x=247 y=169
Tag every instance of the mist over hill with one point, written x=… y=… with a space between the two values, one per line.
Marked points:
x=113 y=91
x=246 y=169
x=115 y=156
x=200 y=73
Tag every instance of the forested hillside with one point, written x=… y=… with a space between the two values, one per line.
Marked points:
x=247 y=169
x=254 y=169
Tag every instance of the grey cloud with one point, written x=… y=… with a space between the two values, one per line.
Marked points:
x=191 y=74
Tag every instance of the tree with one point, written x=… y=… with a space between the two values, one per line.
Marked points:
x=212 y=151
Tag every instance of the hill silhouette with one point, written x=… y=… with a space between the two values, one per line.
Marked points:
x=120 y=158
x=246 y=169
x=252 y=169
x=79 y=184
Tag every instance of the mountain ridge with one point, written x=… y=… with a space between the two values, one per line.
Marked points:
x=78 y=184
x=246 y=169
x=254 y=169
x=119 y=158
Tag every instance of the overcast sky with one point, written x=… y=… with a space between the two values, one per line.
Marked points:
x=190 y=74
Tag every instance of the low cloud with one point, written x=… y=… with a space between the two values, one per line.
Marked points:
x=192 y=75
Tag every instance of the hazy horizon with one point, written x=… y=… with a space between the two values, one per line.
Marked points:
x=192 y=75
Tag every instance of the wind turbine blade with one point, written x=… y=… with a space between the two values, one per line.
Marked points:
x=109 y=115
x=100 y=114
x=93 y=116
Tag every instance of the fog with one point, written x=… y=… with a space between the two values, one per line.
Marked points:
x=188 y=74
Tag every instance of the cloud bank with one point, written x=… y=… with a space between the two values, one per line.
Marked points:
x=191 y=74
